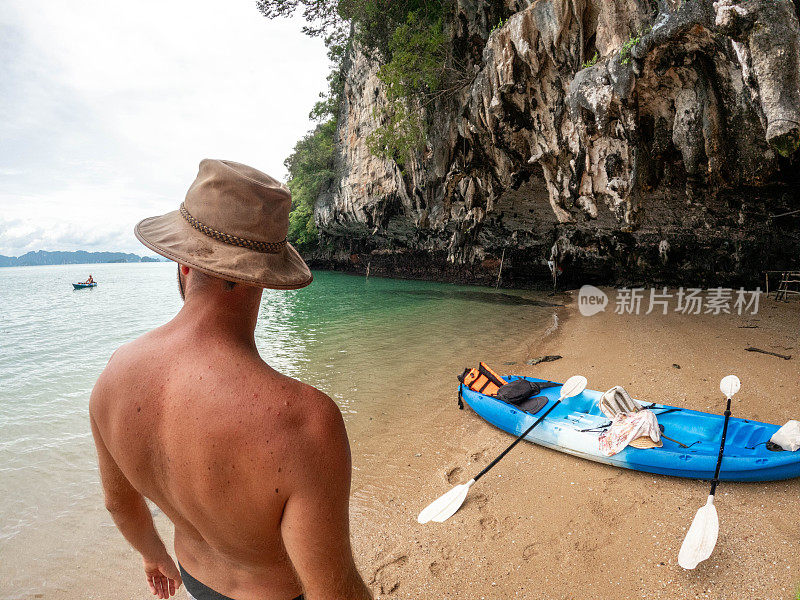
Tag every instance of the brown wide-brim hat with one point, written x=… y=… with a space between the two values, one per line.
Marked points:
x=645 y=442
x=232 y=225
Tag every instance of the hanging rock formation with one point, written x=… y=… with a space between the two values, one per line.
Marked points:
x=600 y=140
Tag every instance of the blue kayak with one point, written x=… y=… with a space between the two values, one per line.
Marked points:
x=80 y=286
x=575 y=425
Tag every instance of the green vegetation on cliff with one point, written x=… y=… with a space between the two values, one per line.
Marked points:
x=412 y=76
x=407 y=37
x=310 y=171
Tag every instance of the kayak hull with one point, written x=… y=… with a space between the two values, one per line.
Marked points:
x=746 y=456
x=80 y=286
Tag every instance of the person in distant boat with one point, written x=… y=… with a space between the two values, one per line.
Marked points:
x=251 y=466
x=90 y=280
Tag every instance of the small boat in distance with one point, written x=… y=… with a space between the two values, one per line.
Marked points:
x=90 y=282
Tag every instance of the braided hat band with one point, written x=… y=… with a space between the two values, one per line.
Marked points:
x=265 y=247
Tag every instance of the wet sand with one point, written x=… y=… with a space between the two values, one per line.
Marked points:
x=546 y=525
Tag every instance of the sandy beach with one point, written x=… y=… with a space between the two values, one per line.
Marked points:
x=546 y=525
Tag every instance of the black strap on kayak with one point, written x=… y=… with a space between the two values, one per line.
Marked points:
x=771 y=446
x=460 y=399
x=596 y=428
x=667 y=411
x=547 y=384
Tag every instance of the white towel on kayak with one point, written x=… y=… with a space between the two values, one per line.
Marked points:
x=788 y=436
x=626 y=427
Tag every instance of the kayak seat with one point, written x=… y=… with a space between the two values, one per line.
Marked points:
x=532 y=405
x=747 y=434
x=757 y=436
x=738 y=435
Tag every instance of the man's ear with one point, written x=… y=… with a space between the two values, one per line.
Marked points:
x=184 y=270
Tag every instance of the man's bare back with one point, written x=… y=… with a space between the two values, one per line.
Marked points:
x=251 y=466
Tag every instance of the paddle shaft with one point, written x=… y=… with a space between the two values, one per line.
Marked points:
x=515 y=442
x=715 y=481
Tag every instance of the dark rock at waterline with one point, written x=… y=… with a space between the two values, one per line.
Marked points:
x=475 y=296
x=662 y=161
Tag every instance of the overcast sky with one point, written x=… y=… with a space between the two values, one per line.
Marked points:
x=107 y=107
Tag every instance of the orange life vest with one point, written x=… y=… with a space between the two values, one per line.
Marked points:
x=482 y=380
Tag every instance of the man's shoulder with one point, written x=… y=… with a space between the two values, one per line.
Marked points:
x=310 y=409
x=305 y=415
x=321 y=449
x=322 y=417
x=120 y=372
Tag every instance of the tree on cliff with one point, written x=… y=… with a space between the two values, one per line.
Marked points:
x=310 y=171
x=407 y=37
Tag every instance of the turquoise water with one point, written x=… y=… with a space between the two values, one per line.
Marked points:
x=344 y=334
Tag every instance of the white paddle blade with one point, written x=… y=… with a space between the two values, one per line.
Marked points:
x=573 y=386
x=729 y=385
x=701 y=537
x=446 y=505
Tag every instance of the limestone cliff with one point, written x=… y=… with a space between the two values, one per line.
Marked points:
x=600 y=140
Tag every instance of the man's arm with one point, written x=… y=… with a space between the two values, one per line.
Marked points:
x=132 y=517
x=315 y=524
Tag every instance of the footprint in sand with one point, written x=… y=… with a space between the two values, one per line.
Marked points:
x=587 y=545
x=530 y=551
x=454 y=475
x=490 y=525
x=478 y=455
x=387 y=576
x=439 y=567
x=478 y=500
x=447 y=552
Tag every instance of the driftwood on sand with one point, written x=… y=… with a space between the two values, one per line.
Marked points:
x=783 y=356
x=541 y=359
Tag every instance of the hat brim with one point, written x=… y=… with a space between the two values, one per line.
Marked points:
x=645 y=443
x=171 y=236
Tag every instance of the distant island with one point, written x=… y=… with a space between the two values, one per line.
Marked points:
x=79 y=257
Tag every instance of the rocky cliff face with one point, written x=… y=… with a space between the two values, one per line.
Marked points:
x=670 y=158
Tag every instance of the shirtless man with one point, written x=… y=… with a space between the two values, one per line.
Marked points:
x=251 y=466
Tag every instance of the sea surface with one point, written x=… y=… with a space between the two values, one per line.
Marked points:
x=352 y=337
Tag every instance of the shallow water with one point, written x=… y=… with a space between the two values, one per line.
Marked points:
x=353 y=338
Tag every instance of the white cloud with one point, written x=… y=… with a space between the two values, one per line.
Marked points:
x=107 y=107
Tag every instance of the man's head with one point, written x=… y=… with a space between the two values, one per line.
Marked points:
x=232 y=227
